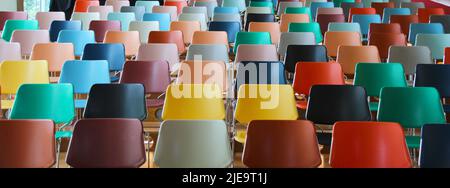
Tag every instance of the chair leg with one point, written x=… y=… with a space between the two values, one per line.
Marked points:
x=58 y=149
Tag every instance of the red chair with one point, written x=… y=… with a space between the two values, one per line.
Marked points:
x=384 y=40
x=178 y=4
x=404 y=21
x=83 y=5
x=425 y=13
x=100 y=27
x=385 y=28
x=354 y=11
x=447 y=55
x=369 y=145
x=175 y=37
x=380 y=6
x=10 y=15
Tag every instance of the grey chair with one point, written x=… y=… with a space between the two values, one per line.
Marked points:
x=227 y=18
x=436 y=43
x=443 y=19
x=196 y=10
x=413 y=6
x=213 y=52
x=294 y=38
x=409 y=57
x=210 y=5
x=283 y=5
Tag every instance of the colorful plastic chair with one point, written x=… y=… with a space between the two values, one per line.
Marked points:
x=210 y=6
x=380 y=7
x=240 y=4
x=130 y=39
x=349 y=56
x=344 y=27
x=12 y=15
x=212 y=52
x=175 y=37
x=361 y=11
x=447 y=55
x=436 y=43
x=45 y=19
x=187 y=28
x=338 y=3
x=405 y=21
x=294 y=38
x=226 y=10
x=162 y=18
x=124 y=17
x=54 y=53
x=330 y=10
x=159 y=51
x=383 y=41
x=251 y=38
x=325 y=19
x=58 y=25
x=443 y=19
x=413 y=6
x=346 y=6
x=100 y=27
x=117 y=4
x=178 y=4
x=434 y=138
x=137 y=10
x=147 y=4
x=365 y=21
x=299 y=10
x=251 y=52
x=286 y=19
x=210 y=37
x=334 y=39
x=388 y=12
x=196 y=10
x=10 y=51
x=307 y=27
x=273 y=28
x=103 y=11
x=227 y=18
x=85 y=18
x=144 y=28
x=425 y=13
x=283 y=5
x=410 y=56
x=258 y=18
x=231 y=28
x=12 y=25
x=171 y=10
x=316 y=5
x=434 y=75
x=113 y=53
x=393 y=28
x=28 y=38
x=79 y=39
x=82 y=6
x=304 y=53
x=424 y=28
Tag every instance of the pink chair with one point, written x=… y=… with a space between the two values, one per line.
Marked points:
x=100 y=27
x=117 y=4
x=102 y=10
x=159 y=51
x=10 y=15
x=250 y=52
x=27 y=39
x=9 y=51
x=45 y=19
x=172 y=10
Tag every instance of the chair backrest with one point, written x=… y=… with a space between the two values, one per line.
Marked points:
x=397 y=104
x=294 y=144
x=424 y=28
x=188 y=28
x=250 y=52
x=349 y=56
x=116 y=101
x=162 y=18
x=378 y=145
x=159 y=51
x=383 y=41
x=413 y=6
x=117 y=4
x=79 y=39
x=210 y=6
x=45 y=19
x=425 y=13
x=113 y=53
x=325 y=19
x=147 y=4
x=175 y=37
x=28 y=38
x=346 y=6
x=212 y=72
x=194 y=17
x=13 y=25
x=154 y=75
x=11 y=15
x=339 y=3
x=59 y=25
x=447 y=55
x=443 y=19
x=294 y=38
x=334 y=39
x=130 y=39
x=344 y=27
x=436 y=43
x=374 y=76
x=103 y=11
x=54 y=53
x=144 y=28
x=259 y=72
x=388 y=12
x=44 y=101
x=193 y=102
x=316 y=5
x=196 y=10
x=258 y=10
x=433 y=75
x=434 y=138
x=308 y=74
x=83 y=74
x=10 y=51
x=85 y=18
x=231 y=28
x=227 y=18
x=82 y=6
x=299 y=10
x=283 y=5
x=226 y=10
x=240 y=4
x=178 y=4
x=381 y=6
x=410 y=56
x=253 y=17
x=27 y=144
x=15 y=73
x=365 y=20
x=138 y=11
x=385 y=28
x=330 y=10
x=91 y=145
x=100 y=27
x=360 y=11
x=307 y=27
x=213 y=52
x=405 y=21
x=124 y=17
x=304 y=53
x=210 y=37
x=171 y=10
x=251 y=38
x=272 y=27
x=178 y=138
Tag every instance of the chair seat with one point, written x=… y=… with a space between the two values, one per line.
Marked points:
x=63 y=134
x=7 y=104
x=154 y=102
x=413 y=141
x=241 y=135
x=80 y=103
x=302 y=104
x=373 y=106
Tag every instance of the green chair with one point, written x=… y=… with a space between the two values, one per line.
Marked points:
x=374 y=76
x=313 y=27
x=299 y=10
x=12 y=25
x=412 y=108
x=262 y=4
x=337 y=3
x=251 y=38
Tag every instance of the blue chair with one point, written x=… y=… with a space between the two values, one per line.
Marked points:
x=124 y=17
x=226 y=10
x=114 y=53
x=79 y=39
x=317 y=5
x=272 y=73
x=162 y=18
x=59 y=25
x=434 y=146
x=83 y=74
x=364 y=21
x=387 y=12
x=232 y=28
x=424 y=28
x=437 y=76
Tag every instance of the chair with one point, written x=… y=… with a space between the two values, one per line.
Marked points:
x=393 y=28
x=365 y=21
x=272 y=27
x=399 y=2
x=410 y=56
x=12 y=25
x=380 y=7
x=294 y=38
x=330 y=10
x=54 y=53
x=259 y=72
x=130 y=39
x=263 y=102
x=45 y=19
x=175 y=37
x=361 y=11
x=325 y=19
x=85 y=18
x=182 y=99
x=374 y=76
x=261 y=4
x=196 y=10
x=171 y=10
x=79 y=39
x=397 y=105
x=286 y=19
x=144 y=28
x=137 y=10
x=258 y=18
x=113 y=53
x=178 y=138
x=424 y=28
x=187 y=28
x=124 y=17
x=434 y=138
x=28 y=38
x=258 y=10
x=299 y=10
x=388 y=12
x=116 y=101
x=334 y=39
x=58 y=25
x=231 y=28
x=210 y=37
x=413 y=6
x=283 y=5
x=117 y=4
x=83 y=74
x=378 y=145
x=159 y=51
x=307 y=27
x=212 y=52
x=346 y=6
x=256 y=53
x=344 y=27
x=325 y=100
x=436 y=43
x=338 y=3
x=82 y=6
x=425 y=13
x=349 y=56
x=281 y=144
x=316 y=5
x=251 y=38
x=226 y=10
x=103 y=11
x=304 y=53
x=27 y=143
x=433 y=75
x=147 y=4
x=178 y=4
x=210 y=6
x=308 y=74
x=443 y=19
x=92 y=147
x=227 y=18
x=212 y=72
x=405 y=21
x=11 y=15
x=383 y=41
x=100 y=27
x=240 y=4
x=10 y=51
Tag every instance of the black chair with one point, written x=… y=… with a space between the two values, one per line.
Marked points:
x=116 y=101
x=328 y=104
x=260 y=72
x=443 y=19
x=258 y=18
x=304 y=53
x=346 y=6
x=434 y=148
x=437 y=76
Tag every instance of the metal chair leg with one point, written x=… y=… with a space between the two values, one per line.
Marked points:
x=58 y=149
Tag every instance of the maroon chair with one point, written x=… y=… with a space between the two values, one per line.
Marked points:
x=100 y=27
x=385 y=28
x=107 y=143
x=384 y=40
x=10 y=15
x=325 y=19
x=405 y=21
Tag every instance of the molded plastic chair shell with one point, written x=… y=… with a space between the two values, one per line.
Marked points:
x=349 y=56
x=334 y=39
x=410 y=56
x=159 y=51
x=59 y=25
x=154 y=75
x=54 y=53
x=100 y=27
x=28 y=38
x=45 y=19
x=434 y=138
x=103 y=11
x=130 y=39
x=79 y=39
x=10 y=51
x=113 y=53
x=304 y=53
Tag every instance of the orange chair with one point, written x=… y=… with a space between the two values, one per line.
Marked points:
x=210 y=37
x=188 y=28
x=83 y=5
x=178 y=4
x=175 y=37
x=56 y=55
x=369 y=145
x=130 y=39
x=425 y=13
x=349 y=56
x=204 y=72
x=308 y=74
x=380 y=6
x=354 y=11
x=447 y=55
x=286 y=19
x=281 y=144
x=333 y=39
x=384 y=40
x=272 y=27
x=404 y=21
x=385 y=28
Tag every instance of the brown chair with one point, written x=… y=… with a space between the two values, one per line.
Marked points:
x=188 y=28
x=100 y=27
x=380 y=6
x=175 y=37
x=384 y=40
x=27 y=144
x=404 y=21
x=210 y=37
x=334 y=39
x=425 y=13
x=385 y=28
x=281 y=144
x=349 y=56
x=325 y=19
x=107 y=143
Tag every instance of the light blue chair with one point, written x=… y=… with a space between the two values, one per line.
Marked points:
x=83 y=74
x=436 y=43
x=79 y=39
x=388 y=12
x=337 y=26
x=147 y=4
x=124 y=17
x=364 y=21
x=162 y=18
x=425 y=28
x=226 y=10
x=240 y=4
x=317 y=5
x=138 y=11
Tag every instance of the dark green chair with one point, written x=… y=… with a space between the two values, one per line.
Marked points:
x=313 y=27
x=251 y=38
x=12 y=25
x=299 y=10
x=374 y=76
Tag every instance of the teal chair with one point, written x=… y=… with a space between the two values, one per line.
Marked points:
x=240 y=4
x=313 y=27
x=436 y=43
x=251 y=38
x=353 y=27
x=12 y=25
x=124 y=17
x=299 y=10
x=83 y=74
x=337 y=3
x=79 y=39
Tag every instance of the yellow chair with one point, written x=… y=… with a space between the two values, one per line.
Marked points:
x=15 y=73
x=263 y=102
x=193 y=102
